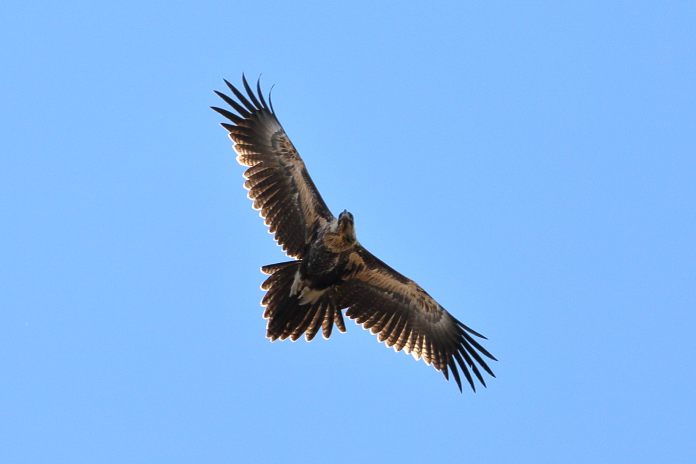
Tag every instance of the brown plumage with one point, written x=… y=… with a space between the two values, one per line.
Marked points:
x=332 y=271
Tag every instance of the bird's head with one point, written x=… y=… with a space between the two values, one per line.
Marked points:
x=346 y=227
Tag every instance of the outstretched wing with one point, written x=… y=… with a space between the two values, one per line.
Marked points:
x=277 y=179
x=404 y=316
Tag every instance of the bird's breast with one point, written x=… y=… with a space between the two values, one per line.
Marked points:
x=322 y=268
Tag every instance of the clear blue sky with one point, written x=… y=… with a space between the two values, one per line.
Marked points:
x=532 y=165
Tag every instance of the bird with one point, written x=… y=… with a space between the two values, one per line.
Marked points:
x=329 y=271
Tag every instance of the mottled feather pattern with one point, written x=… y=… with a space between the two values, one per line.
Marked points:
x=396 y=309
x=287 y=318
x=276 y=178
x=405 y=317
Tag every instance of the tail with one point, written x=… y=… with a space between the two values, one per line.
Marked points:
x=287 y=317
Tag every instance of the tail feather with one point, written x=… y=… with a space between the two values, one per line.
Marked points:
x=338 y=320
x=286 y=316
x=304 y=324
x=328 y=321
x=316 y=321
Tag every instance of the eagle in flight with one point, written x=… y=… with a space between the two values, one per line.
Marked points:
x=331 y=270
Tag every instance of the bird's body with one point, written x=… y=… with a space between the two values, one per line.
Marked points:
x=326 y=261
x=332 y=271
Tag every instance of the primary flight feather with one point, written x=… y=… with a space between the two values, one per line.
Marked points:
x=331 y=270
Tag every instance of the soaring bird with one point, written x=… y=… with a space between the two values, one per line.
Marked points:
x=330 y=270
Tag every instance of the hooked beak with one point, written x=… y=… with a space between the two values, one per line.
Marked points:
x=345 y=216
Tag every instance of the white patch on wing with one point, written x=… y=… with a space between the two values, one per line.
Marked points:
x=297 y=284
x=309 y=295
x=305 y=294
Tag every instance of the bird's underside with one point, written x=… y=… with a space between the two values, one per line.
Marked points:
x=331 y=271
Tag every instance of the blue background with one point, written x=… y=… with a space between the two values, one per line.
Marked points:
x=532 y=165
